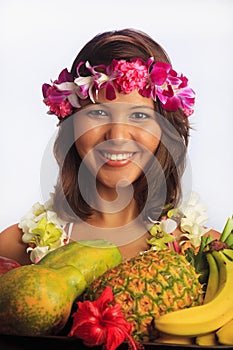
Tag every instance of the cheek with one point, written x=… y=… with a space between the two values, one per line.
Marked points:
x=82 y=146
x=86 y=141
x=150 y=141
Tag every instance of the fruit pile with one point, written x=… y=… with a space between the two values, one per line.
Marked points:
x=160 y=293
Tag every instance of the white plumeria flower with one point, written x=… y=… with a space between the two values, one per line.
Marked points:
x=27 y=237
x=194 y=218
x=195 y=232
x=194 y=209
x=28 y=221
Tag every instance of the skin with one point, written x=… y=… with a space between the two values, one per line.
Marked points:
x=126 y=125
x=113 y=219
x=129 y=127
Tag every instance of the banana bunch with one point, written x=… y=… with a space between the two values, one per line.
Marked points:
x=212 y=322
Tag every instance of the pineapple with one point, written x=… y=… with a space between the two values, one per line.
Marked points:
x=149 y=285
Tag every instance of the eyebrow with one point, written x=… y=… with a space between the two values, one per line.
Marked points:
x=143 y=107
x=106 y=105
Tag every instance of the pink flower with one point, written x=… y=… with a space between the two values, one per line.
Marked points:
x=62 y=109
x=101 y=322
x=134 y=75
x=58 y=99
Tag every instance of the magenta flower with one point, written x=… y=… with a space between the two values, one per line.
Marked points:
x=101 y=323
x=157 y=76
x=176 y=94
x=61 y=97
x=170 y=88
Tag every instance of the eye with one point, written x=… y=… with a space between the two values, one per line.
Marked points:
x=97 y=113
x=140 y=116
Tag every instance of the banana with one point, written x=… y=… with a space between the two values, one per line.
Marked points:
x=229 y=240
x=228 y=253
x=174 y=339
x=208 y=339
x=225 y=334
x=205 y=318
x=213 y=279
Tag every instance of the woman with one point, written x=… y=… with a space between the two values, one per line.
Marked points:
x=121 y=147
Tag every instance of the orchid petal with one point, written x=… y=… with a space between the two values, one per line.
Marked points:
x=110 y=92
x=74 y=101
x=45 y=87
x=64 y=76
x=169 y=225
x=158 y=75
x=67 y=86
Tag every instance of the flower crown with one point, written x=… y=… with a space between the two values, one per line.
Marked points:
x=151 y=79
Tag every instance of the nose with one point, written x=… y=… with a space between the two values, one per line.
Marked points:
x=117 y=131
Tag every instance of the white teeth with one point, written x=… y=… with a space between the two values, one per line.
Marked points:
x=117 y=156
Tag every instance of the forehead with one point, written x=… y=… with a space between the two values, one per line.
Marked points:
x=132 y=98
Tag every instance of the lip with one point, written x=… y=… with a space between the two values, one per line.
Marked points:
x=116 y=163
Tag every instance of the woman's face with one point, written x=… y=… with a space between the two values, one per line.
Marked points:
x=116 y=139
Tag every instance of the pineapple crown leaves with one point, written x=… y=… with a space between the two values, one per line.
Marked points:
x=227 y=233
x=199 y=261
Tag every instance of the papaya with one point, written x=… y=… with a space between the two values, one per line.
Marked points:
x=91 y=258
x=37 y=300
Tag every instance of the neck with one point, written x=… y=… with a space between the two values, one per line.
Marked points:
x=111 y=218
x=113 y=207
x=116 y=219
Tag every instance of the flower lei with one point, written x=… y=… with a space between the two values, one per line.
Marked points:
x=44 y=231
x=151 y=79
x=190 y=216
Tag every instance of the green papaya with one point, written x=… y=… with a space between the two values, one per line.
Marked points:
x=91 y=258
x=37 y=300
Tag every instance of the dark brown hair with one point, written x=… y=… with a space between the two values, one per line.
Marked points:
x=171 y=153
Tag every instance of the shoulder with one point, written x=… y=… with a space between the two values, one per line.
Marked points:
x=213 y=233
x=12 y=246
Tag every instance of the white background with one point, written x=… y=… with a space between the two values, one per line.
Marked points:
x=40 y=38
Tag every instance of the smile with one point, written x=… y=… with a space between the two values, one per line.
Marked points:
x=117 y=156
x=117 y=159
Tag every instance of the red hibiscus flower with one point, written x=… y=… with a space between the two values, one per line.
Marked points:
x=101 y=322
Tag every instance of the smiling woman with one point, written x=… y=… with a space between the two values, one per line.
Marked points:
x=123 y=131
x=121 y=146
